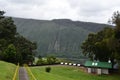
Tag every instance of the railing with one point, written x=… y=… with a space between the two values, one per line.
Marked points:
x=16 y=71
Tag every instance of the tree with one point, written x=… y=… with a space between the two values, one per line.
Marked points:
x=10 y=54
x=8 y=35
x=1 y=14
x=39 y=57
x=96 y=45
x=25 y=49
x=104 y=44
x=51 y=59
x=116 y=21
x=88 y=46
x=7 y=31
x=40 y=62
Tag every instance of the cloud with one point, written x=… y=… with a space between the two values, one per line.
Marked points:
x=30 y=2
x=83 y=10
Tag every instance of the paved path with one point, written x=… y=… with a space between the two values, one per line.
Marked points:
x=23 y=74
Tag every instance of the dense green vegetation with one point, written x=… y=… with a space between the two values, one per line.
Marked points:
x=105 y=44
x=6 y=70
x=68 y=73
x=59 y=37
x=14 y=47
x=47 y=60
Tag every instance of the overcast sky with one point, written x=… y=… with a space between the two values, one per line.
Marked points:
x=83 y=10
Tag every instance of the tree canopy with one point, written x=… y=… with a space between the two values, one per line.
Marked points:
x=14 y=47
x=105 y=44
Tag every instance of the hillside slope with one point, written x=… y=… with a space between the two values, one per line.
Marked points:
x=6 y=70
x=59 y=37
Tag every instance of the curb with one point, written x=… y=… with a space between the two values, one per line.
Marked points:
x=29 y=71
x=16 y=71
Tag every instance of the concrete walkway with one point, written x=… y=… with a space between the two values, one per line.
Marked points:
x=23 y=74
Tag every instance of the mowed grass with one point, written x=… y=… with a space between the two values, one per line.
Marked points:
x=6 y=70
x=69 y=73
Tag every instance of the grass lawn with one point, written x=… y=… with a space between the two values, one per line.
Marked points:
x=68 y=73
x=6 y=70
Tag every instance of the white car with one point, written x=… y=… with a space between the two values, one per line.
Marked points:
x=78 y=64
x=66 y=63
x=70 y=64
x=62 y=63
x=74 y=64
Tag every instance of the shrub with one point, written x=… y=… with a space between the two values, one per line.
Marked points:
x=51 y=59
x=39 y=62
x=48 y=69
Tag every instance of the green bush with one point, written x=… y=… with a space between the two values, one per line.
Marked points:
x=40 y=62
x=51 y=59
x=48 y=69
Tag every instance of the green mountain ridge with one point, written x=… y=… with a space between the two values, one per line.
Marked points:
x=58 y=37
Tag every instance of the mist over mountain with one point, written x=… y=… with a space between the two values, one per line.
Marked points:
x=58 y=37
